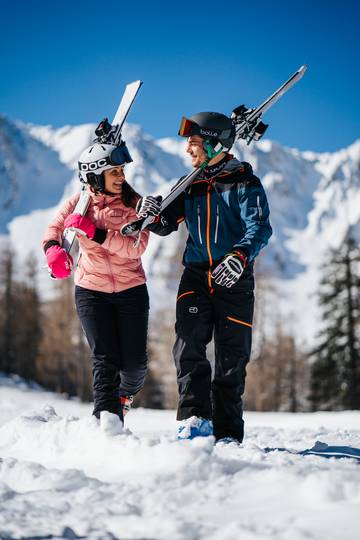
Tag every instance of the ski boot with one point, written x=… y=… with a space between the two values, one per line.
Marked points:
x=126 y=402
x=194 y=427
x=226 y=441
x=111 y=424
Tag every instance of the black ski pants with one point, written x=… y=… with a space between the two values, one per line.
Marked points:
x=115 y=325
x=227 y=314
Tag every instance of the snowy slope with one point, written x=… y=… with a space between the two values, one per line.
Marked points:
x=61 y=477
x=31 y=176
x=313 y=198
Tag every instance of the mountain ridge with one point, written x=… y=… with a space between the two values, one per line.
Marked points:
x=314 y=198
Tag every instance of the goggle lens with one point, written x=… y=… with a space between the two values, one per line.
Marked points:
x=186 y=127
x=119 y=156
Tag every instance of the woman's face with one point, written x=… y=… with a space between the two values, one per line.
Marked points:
x=114 y=179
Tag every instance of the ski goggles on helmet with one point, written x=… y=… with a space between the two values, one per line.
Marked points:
x=116 y=158
x=189 y=128
x=119 y=156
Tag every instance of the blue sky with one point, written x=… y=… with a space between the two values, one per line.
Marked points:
x=67 y=62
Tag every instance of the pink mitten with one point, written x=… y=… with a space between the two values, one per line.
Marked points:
x=59 y=262
x=80 y=224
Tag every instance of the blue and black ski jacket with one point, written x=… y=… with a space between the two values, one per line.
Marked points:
x=225 y=209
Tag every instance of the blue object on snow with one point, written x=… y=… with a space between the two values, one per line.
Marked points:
x=324 y=450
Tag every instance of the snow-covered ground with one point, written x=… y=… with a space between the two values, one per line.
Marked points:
x=62 y=477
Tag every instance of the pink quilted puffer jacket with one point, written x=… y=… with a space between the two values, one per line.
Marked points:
x=114 y=265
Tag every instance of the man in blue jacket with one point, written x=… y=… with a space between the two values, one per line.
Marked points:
x=227 y=216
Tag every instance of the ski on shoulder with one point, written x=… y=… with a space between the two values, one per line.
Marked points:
x=248 y=126
x=110 y=134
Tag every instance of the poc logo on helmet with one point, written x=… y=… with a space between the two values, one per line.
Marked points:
x=208 y=132
x=93 y=165
x=193 y=310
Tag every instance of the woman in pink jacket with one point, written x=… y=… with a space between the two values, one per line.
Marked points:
x=111 y=296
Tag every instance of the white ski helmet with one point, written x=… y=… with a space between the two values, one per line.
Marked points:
x=99 y=157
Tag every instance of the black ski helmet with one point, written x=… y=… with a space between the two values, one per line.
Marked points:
x=211 y=126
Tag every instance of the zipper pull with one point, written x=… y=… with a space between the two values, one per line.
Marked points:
x=199 y=223
x=217 y=224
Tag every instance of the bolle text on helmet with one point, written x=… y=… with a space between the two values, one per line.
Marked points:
x=208 y=133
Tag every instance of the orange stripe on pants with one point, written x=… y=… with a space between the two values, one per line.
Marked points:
x=239 y=322
x=184 y=294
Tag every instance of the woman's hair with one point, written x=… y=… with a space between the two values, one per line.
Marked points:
x=129 y=196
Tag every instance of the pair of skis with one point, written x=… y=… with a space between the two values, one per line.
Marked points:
x=248 y=126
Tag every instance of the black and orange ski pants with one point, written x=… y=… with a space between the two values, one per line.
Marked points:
x=226 y=315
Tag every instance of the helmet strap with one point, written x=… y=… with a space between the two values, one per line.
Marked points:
x=210 y=151
x=96 y=181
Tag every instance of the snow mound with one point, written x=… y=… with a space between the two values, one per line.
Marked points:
x=71 y=442
x=62 y=477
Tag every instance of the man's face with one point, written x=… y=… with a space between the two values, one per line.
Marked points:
x=195 y=149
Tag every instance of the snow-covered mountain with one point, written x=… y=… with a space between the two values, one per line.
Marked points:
x=313 y=198
x=31 y=174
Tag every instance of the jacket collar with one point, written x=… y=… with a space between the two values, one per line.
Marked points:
x=103 y=198
x=214 y=170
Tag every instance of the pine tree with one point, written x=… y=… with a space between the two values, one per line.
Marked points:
x=58 y=362
x=277 y=374
x=335 y=374
x=20 y=329
x=28 y=321
x=8 y=330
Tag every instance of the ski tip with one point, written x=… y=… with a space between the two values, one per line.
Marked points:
x=303 y=68
x=135 y=83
